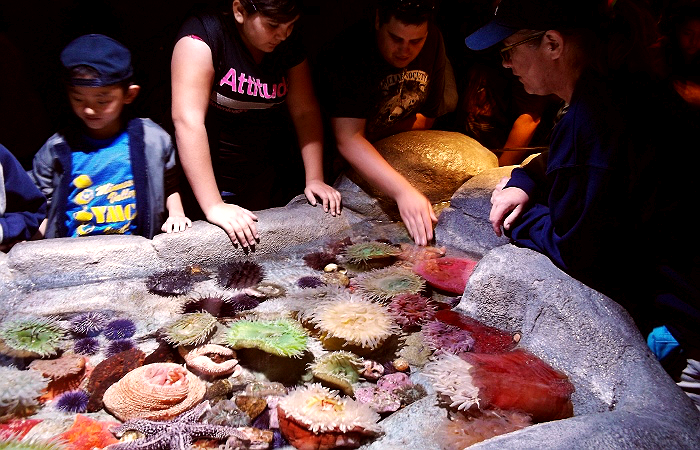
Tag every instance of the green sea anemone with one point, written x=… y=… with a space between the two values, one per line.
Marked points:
x=371 y=254
x=281 y=337
x=190 y=329
x=339 y=369
x=384 y=284
x=31 y=337
x=351 y=320
x=19 y=392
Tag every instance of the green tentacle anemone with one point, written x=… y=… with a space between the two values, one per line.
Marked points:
x=339 y=369
x=281 y=337
x=384 y=284
x=371 y=254
x=31 y=337
x=190 y=329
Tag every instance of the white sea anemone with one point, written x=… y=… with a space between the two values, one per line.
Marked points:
x=450 y=377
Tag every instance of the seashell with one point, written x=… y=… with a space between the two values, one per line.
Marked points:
x=400 y=364
x=336 y=278
x=332 y=267
x=372 y=370
x=253 y=406
x=211 y=360
x=158 y=391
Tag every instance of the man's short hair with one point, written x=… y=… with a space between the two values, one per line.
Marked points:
x=410 y=12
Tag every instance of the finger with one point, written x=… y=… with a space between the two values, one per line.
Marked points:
x=189 y=223
x=496 y=219
x=510 y=218
x=310 y=196
x=325 y=203
x=419 y=235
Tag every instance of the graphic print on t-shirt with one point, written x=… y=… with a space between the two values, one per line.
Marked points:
x=402 y=94
x=102 y=199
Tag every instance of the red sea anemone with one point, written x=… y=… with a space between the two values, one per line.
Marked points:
x=411 y=310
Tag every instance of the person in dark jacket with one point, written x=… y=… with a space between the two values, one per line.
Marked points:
x=107 y=174
x=604 y=202
x=22 y=205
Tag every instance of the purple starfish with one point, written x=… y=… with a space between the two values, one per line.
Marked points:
x=175 y=434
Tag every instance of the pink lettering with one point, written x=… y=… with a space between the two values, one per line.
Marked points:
x=274 y=91
x=252 y=86
x=230 y=79
x=241 y=81
x=282 y=88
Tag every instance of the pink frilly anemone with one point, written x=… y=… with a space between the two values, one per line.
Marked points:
x=314 y=417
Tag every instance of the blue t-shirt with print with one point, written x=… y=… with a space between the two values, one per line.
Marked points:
x=102 y=199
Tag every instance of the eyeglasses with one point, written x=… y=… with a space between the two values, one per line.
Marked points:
x=506 y=52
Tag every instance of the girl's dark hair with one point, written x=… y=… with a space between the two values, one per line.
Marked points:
x=409 y=12
x=278 y=10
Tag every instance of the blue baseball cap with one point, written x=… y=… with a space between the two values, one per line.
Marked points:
x=512 y=16
x=109 y=58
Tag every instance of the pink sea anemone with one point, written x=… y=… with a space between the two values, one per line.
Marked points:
x=447 y=274
x=515 y=380
x=411 y=310
x=442 y=337
x=487 y=339
x=314 y=417
x=211 y=360
x=158 y=391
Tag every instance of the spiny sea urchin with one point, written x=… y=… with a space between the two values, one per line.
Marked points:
x=319 y=260
x=171 y=282
x=190 y=329
x=281 y=337
x=351 y=320
x=313 y=414
x=340 y=369
x=220 y=306
x=31 y=337
x=88 y=324
x=73 y=401
x=118 y=346
x=411 y=310
x=443 y=337
x=309 y=282
x=383 y=284
x=371 y=254
x=119 y=329
x=240 y=274
x=86 y=346
x=19 y=392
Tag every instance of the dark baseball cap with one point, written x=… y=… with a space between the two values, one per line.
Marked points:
x=512 y=16
x=108 y=57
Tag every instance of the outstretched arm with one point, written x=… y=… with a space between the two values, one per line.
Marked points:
x=192 y=72
x=306 y=115
x=415 y=209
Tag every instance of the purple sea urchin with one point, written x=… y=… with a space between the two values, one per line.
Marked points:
x=88 y=324
x=340 y=369
x=281 y=337
x=171 y=282
x=73 y=401
x=319 y=260
x=443 y=337
x=371 y=254
x=351 y=320
x=86 y=346
x=309 y=282
x=411 y=310
x=31 y=337
x=19 y=392
x=384 y=284
x=220 y=306
x=119 y=346
x=190 y=329
x=119 y=329
x=240 y=274
x=329 y=419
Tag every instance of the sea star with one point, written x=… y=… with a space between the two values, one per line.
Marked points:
x=176 y=434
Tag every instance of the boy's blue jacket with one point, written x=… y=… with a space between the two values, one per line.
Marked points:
x=152 y=160
x=22 y=206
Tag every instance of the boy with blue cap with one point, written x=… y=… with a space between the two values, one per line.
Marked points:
x=107 y=174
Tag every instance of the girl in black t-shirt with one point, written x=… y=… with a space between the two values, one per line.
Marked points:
x=233 y=72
